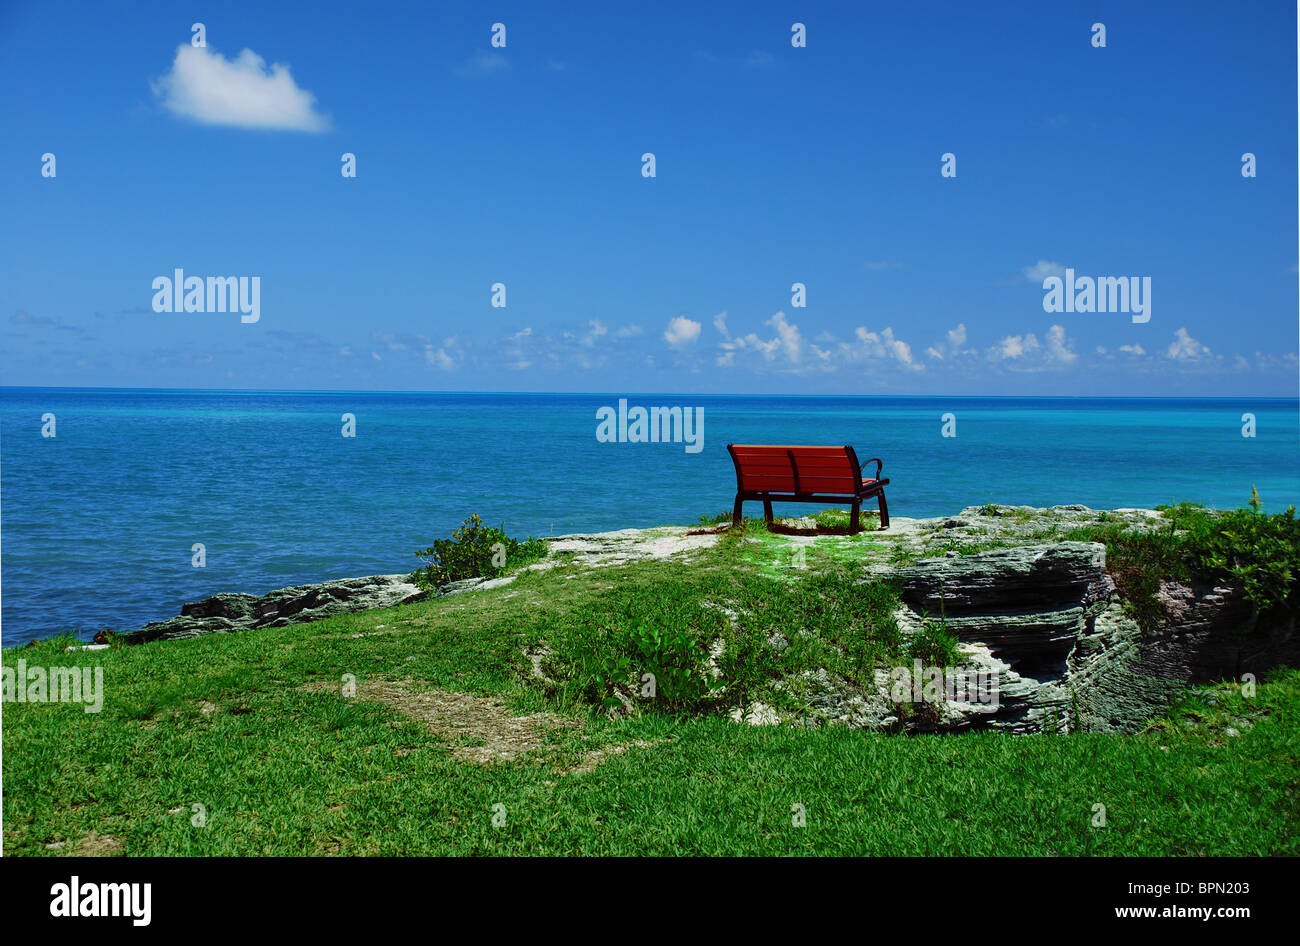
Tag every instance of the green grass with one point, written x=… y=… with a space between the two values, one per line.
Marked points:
x=224 y=722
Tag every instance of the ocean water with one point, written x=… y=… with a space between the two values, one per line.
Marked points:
x=97 y=523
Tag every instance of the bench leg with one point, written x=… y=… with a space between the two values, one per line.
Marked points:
x=767 y=511
x=735 y=511
x=884 y=511
x=855 y=524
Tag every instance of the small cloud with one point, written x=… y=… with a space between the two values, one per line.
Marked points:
x=554 y=65
x=954 y=345
x=241 y=92
x=791 y=338
x=759 y=57
x=1132 y=349
x=1014 y=346
x=484 y=64
x=1042 y=269
x=720 y=323
x=439 y=359
x=1058 y=346
x=1186 y=348
x=597 y=329
x=629 y=331
x=682 y=331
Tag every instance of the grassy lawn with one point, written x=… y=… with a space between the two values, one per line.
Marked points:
x=477 y=728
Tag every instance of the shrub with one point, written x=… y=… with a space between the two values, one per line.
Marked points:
x=474 y=551
x=1259 y=552
x=1256 y=551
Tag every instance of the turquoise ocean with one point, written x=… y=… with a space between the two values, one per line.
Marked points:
x=97 y=523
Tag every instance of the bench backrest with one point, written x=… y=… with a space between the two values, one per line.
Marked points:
x=792 y=469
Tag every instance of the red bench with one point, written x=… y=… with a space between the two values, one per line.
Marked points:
x=788 y=474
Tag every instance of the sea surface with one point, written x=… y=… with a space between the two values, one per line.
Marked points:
x=97 y=523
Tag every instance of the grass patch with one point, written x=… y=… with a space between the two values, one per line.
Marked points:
x=475 y=705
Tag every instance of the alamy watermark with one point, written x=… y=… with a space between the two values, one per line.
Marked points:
x=23 y=684
x=651 y=425
x=133 y=900
x=181 y=293
x=1102 y=294
x=922 y=684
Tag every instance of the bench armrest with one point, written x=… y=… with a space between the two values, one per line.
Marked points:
x=880 y=464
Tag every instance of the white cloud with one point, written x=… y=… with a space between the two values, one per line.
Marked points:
x=682 y=331
x=791 y=337
x=597 y=330
x=788 y=344
x=439 y=359
x=1133 y=349
x=1042 y=269
x=879 y=345
x=629 y=331
x=1058 y=346
x=1014 y=346
x=956 y=339
x=899 y=349
x=1186 y=348
x=241 y=92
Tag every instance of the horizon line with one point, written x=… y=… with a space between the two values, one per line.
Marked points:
x=1008 y=397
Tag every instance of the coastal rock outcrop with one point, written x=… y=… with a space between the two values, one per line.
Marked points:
x=224 y=613
x=1019 y=613
x=1046 y=623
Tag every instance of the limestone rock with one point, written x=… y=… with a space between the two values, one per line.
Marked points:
x=226 y=613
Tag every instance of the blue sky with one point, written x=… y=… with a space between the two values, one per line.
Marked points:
x=775 y=165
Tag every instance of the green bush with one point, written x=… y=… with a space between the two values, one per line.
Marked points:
x=474 y=551
x=1259 y=552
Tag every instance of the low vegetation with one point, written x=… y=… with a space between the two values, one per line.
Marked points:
x=474 y=551
x=1245 y=547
